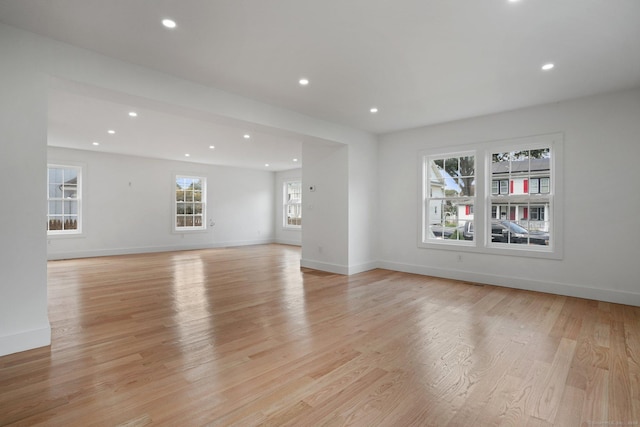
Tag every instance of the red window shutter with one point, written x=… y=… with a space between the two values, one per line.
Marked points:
x=467 y=210
x=526 y=211
x=511 y=187
x=526 y=186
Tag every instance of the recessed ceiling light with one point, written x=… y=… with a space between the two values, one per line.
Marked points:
x=111 y=132
x=212 y=146
x=95 y=143
x=133 y=114
x=514 y=1
x=187 y=155
x=247 y=136
x=547 y=67
x=373 y=110
x=169 y=23
x=295 y=160
x=303 y=81
x=266 y=165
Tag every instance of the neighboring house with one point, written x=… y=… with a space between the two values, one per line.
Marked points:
x=436 y=187
x=529 y=179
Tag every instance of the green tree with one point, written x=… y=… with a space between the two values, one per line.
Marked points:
x=461 y=170
x=521 y=155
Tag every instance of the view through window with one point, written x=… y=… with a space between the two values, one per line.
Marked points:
x=292 y=192
x=190 y=203
x=63 y=199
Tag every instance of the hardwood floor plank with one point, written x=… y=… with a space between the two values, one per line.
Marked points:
x=243 y=336
x=547 y=394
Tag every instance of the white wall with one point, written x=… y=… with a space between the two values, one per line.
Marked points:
x=363 y=206
x=325 y=240
x=23 y=133
x=601 y=152
x=286 y=236
x=127 y=206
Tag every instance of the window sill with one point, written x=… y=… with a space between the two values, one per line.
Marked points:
x=526 y=251
x=65 y=235
x=189 y=230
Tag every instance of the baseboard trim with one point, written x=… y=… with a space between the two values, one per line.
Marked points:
x=566 y=289
x=288 y=242
x=152 y=249
x=324 y=266
x=361 y=268
x=24 y=341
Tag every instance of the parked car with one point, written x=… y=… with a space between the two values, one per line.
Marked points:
x=509 y=232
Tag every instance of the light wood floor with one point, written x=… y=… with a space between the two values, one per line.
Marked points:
x=242 y=336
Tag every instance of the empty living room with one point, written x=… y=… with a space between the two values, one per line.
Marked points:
x=313 y=213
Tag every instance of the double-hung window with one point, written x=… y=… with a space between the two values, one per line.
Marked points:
x=64 y=199
x=292 y=211
x=512 y=210
x=449 y=197
x=190 y=203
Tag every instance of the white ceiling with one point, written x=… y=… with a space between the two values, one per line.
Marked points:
x=419 y=61
x=80 y=116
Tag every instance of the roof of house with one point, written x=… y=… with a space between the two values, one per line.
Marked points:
x=517 y=166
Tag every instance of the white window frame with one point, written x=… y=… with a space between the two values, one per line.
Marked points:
x=175 y=204
x=78 y=199
x=286 y=203
x=427 y=239
x=482 y=209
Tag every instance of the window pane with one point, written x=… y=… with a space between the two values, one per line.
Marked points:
x=70 y=176
x=501 y=157
x=467 y=166
x=197 y=208
x=55 y=176
x=188 y=221
x=70 y=191
x=55 y=191
x=55 y=223
x=436 y=187
x=451 y=166
x=55 y=207
x=70 y=223
x=71 y=207
x=452 y=188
